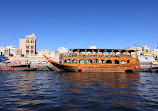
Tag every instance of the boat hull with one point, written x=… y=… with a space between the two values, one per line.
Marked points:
x=92 y=68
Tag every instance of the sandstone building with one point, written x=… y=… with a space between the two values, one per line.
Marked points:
x=28 y=45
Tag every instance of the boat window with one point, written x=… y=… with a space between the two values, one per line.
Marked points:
x=123 y=62
x=127 y=61
x=107 y=54
x=109 y=62
x=95 y=60
x=89 y=61
x=82 y=61
x=68 y=61
x=88 y=54
x=101 y=61
x=65 y=61
x=115 y=62
x=74 y=61
x=60 y=61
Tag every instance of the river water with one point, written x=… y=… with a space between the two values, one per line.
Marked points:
x=56 y=91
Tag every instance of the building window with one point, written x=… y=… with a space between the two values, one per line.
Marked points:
x=32 y=52
x=27 y=41
x=27 y=51
x=32 y=47
x=27 y=47
x=32 y=41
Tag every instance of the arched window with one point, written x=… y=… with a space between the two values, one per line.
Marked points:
x=123 y=62
x=74 y=61
x=95 y=60
x=68 y=61
x=82 y=61
x=89 y=61
x=101 y=61
x=109 y=62
x=128 y=61
x=115 y=62
x=65 y=61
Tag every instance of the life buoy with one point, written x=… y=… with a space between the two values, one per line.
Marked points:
x=79 y=68
x=137 y=67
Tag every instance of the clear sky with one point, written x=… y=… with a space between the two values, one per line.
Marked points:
x=82 y=23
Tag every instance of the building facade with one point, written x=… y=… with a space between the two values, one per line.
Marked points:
x=1 y=50
x=155 y=51
x=28 y=45
x=145 y=49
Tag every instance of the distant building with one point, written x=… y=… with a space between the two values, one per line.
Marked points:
x=11 y=50
x=47 y=53
x=28 y=45
x=7 y=52
x=138 y=48
x=18 y=52
x=62 y=50
x=93 y=47
x=1 y=50
x=145 y=49
x=155 y=51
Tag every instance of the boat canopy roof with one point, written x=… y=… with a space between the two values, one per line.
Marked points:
x=102 y=50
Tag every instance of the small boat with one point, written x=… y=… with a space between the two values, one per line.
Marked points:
x=154 y=67
x=18 y=68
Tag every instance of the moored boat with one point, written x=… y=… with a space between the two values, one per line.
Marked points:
x=154 y=67
x=97 y=60
x=18 y=68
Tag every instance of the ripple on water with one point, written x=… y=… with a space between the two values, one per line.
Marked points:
x=78 y=91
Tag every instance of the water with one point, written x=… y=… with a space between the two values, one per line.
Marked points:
x=50 y=91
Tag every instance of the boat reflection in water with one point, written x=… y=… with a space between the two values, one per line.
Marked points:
x=78 y=91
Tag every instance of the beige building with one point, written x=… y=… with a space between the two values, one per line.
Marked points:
x=47 y=53
x=145 y=49
x=28 y=45
x=155 y=51
x=7 y=52
x=18 y=52
x=1 y=50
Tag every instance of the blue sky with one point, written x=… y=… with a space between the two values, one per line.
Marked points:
x=82 y=23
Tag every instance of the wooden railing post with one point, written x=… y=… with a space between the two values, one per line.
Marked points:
x=78 y=53
x=126 y=53
x=105 y=52
x=98 y=52
x=71 y=52
x=112 y=53
x=85 y=52
x=120 y=53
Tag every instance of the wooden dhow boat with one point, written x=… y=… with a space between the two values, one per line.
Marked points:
x=97 y=60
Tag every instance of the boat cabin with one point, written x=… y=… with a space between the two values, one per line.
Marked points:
x=98 y=56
